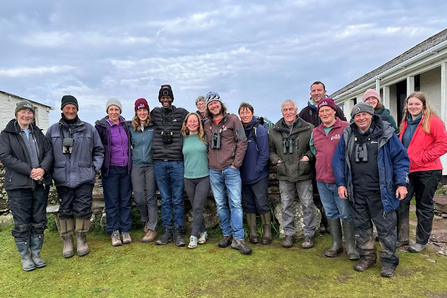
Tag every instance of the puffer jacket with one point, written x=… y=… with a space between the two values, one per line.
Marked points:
x=15 y=157
x=168 y=121
x=392 y=160
x=291 y=168
x=233 y=142
x=81 y=166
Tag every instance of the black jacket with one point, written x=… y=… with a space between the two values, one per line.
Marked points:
x=15 y=157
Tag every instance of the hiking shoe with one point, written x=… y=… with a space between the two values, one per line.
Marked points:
x=308 y=242
x=116 y=241
x=126 y=238
x=416 y=248
x=364 y=264
x=288 y=241
x=166 y=237
x=241 y=246
x=387 y=271
x=192 y=242
x=202 y=238
x=178 y=239
x=225 y=241
x=150 y=236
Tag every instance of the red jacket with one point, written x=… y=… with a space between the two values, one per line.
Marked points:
x=425 y=149
x=325 y=146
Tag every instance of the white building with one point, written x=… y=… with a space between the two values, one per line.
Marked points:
x=421 y=68
x=8 y=104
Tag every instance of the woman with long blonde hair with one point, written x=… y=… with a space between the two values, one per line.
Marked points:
x=425 y=137
x=196 y=176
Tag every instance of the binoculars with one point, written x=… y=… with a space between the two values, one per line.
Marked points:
x=361 y=153
x=215 y=140
x=287 y=146
x=67 y=145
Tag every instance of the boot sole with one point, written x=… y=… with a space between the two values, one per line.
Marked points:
x=83 y=253
x=69 y=255
x=364 y=269
x=333 y=254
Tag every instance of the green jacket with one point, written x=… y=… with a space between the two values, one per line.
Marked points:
x=291 y=168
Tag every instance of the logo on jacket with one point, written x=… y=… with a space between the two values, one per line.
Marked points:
x=335 y=137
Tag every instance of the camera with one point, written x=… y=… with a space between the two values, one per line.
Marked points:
x=361 y=153
x=287 y=146
x=215 y=140
x=67 y=145
x=166 y=136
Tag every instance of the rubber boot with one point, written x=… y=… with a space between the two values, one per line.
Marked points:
x=36 y=243
x=348 y=231
x=335 y=231
x=266 y=229
x=82 y=227
x=403 y=227
x=67 y=227
x=23 y=248
x=253 y=232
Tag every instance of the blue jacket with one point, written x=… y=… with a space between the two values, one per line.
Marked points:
x=141 y=146
x=81 y=166
x=392 y=160
x=255 y=165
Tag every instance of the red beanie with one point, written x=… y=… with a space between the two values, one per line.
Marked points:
x=327 y=102
x=141 y=103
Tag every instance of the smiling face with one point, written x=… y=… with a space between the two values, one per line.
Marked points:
x=372 y=101
x=166 y=101
x=114 y=113
x=363 y=121
x=327 y=116
x=192 y=123
x=24 y=117
x=289 y=113
x=215 y=108
x=70 y=111
x=317 y=92
x=246 y=115
x=142 y=114
x=201 y=106
x=415 y=107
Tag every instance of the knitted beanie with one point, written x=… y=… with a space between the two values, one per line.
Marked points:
x=362 y=107
x=24 y=104
x=69 y=99
x=371 y=93
x=141 y=103
x=165 y=90
x=113 y=102
x=327 y=102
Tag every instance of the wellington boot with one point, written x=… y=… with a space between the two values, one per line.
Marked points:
x=23 y=248
x=253 y=232
x=36 y=243
x=335 y=231
x=82 y=227
x=67 y=227
x=266 y=229
x=364 y=264
x=348 y=231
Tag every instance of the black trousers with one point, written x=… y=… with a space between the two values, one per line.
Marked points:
x=75 y=202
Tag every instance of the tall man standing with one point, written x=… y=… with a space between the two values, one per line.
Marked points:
x=290 y=152
x=78 y=156
x=370 y=167
x=227 y=146
x=168 y=164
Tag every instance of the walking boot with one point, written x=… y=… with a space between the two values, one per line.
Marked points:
x=203 y=237
x=178 y=239
x=253 y=232
x=364 y=263
x=67 y=227
x=266 y=229
x=225 y=241
x=192 y=242
x=166 y=237
x=36 y=243
x=308 y=242
x=288 y=241
x=150 y=236
x=348 y=231
x=335 y=231
x=82 y=227
x=241 y=246
x=23 y=248
x=116 y=240
x=387 y=271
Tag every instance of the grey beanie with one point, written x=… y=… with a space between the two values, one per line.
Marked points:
x=362 y=107
x=24 y=104
x=114 y=102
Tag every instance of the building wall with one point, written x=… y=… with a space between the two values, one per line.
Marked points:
x=431 y=86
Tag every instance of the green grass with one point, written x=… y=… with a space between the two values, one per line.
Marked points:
x=147 y=270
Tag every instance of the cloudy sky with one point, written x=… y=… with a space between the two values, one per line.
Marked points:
x=261 y=52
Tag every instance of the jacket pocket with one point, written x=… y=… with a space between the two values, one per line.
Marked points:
x=303 y=168
x=281 y=169
x=86 y=171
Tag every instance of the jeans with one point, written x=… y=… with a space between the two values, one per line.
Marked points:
x=229 y=179
x=169 y=177
x=334 y=206
x=75 y=202
x=144 y=190
x=197 y=190
x=118 y=199
x=28 y=211
x=304 y=190
x=255 y=196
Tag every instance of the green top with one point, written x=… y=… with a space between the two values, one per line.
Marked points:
x=195 y=154
x=311 y=142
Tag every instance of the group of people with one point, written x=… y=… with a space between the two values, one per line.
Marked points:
x=363 y=172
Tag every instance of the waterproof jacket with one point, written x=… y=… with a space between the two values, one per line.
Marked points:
x=168 y=121
x=142 y=145
x=310 y=113
x=233 y=142
x=291 y=168
x=103 y=128
x=256 y=161
x=15 y=156
x=392 y=161
x=85 y=160
x=425 y=149
x=325 y=146
x=386 y=116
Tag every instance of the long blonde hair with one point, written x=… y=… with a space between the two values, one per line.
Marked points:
x=200 y=131
x=136 y=122
x=427 y=112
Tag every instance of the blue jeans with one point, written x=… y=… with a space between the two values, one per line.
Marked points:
x=334 y=206
x=169 y=177
x=230 y=179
